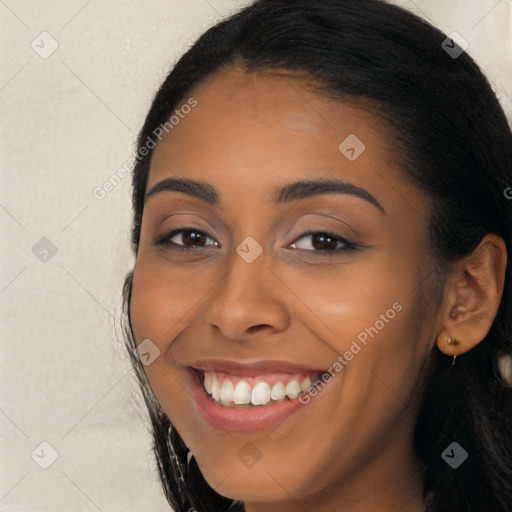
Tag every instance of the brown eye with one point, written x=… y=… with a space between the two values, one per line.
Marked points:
x=324 y=243
x=190 y=239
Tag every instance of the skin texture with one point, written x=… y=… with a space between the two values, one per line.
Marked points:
x=351 y=447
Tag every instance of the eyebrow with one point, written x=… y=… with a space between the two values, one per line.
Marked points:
x=290 y=192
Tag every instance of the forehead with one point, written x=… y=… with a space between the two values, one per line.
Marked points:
x=276 y=100
x=259 y=130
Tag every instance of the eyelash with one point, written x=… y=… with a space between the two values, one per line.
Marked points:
x=348 y=246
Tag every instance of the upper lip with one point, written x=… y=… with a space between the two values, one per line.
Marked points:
x=251 y=368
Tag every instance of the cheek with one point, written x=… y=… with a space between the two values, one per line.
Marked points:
x=163 y=297
x=146 y=305
x=341 y=301
x=158 y=306
x=373 y=317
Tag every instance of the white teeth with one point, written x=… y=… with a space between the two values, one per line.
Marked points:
x=227 y=391
x=208 y=382
x=215 y=389
x=242 y=393
x=293 y=389
x=278 y=391
x=260 y=394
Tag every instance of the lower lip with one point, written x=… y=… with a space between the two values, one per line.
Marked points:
x=250 y=419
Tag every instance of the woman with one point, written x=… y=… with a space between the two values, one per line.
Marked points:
x=319 y=312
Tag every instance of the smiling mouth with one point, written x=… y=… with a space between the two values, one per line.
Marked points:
x=246 y=392
x=251 y=396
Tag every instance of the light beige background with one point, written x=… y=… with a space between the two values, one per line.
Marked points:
x=69 y=121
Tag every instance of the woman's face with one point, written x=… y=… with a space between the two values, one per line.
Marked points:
x=265 y=299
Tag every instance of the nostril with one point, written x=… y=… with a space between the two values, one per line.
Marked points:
x=256 y=328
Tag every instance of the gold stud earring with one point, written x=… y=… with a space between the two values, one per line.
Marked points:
x=452 y=342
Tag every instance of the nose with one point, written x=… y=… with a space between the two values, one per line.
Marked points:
x=249 y=301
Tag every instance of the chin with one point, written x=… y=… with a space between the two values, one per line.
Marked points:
x=254 y=484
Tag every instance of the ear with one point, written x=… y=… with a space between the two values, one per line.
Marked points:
x=472 y=295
